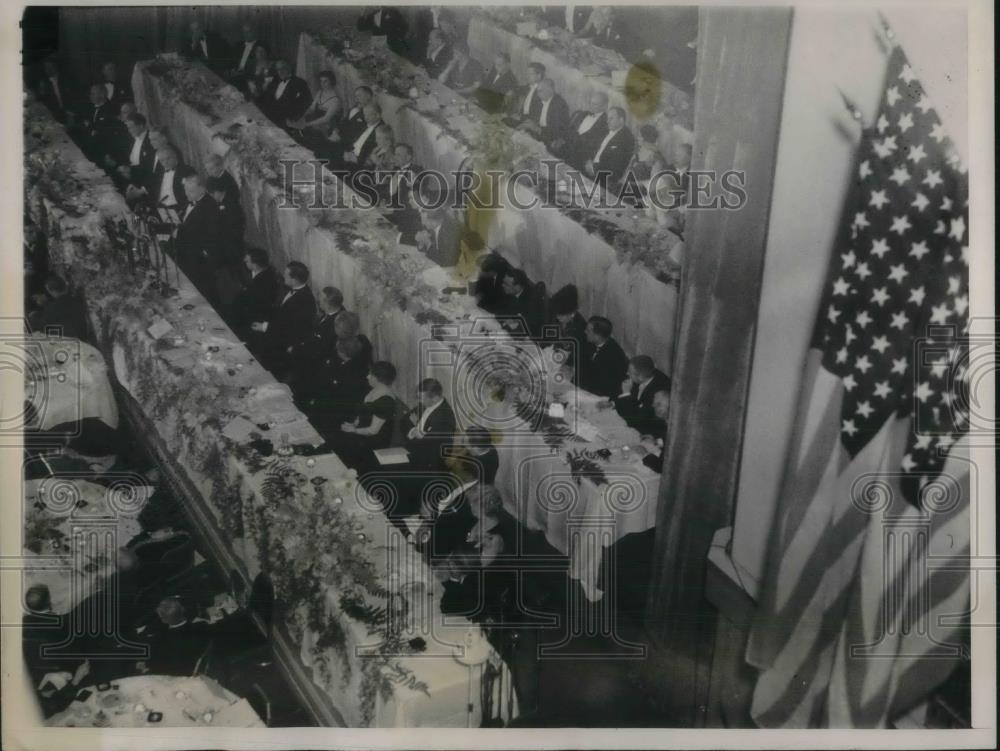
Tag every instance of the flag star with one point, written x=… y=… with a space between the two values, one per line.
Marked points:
x=842 y=355
x=923 y=441
x=863 y=271
x=880 y=344
x=939 y=228
x=920 y=202
x=849 y=335
x=882 y=123
x=840 y=286
x=861 y=220
x=900 y=175
x=946 y=204
x=880 y=247
x=899 y=365
x=961 y=304
x=923 y=392
x=865 y=409
x=878 y=199
x=880 y=296
x=940 y=314
x=957 y=228
x=919 y=250
x=863 y=364
x=938 y=132
x=908 y=464
x=938 y=367
x=863 y=319
x=849 y=428
x=849 y=382
x=917 y=153
x=954 y=284
x=917 y=296
x=882 y=389
x=897 y=273
x=899 y=320
x=885 y=147
x=907 y=73
x=899 y=225
x=924 y=104
x=864 y=169
x=833 y=314
x=893 y=95
x=944 y=441
x=905 y=122
x=848 y=259
x=933 y=178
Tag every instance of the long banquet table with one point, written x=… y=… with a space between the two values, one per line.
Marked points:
x=419 y=346
x=359 y=627
x=552 y=245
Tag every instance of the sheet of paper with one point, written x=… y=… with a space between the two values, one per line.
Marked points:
x=161 y=327
x=392 y=456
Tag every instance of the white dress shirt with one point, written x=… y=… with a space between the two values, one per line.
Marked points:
x=247 y=49
x=363 y=137
x=543 y=118
x=378 y=18
x=449 y=499
x=54 y=80
x=204 y=46
x=167 y=197
x=526 y=107
x=110 y=88
x=427 y=413
x=587 y=123
x=281 y=89
x=607 y=139
x=136 y=154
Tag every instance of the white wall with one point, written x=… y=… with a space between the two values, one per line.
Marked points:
x=831 y=48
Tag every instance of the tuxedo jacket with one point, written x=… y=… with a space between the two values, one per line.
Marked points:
x=492 y=95
x=445 y=245
x=256 y=301
x=617 y=155
x=391 y=24
x=601 y=371
x=197 y=241
x=525 y=94
x=367 y=146
x=435 y=67
x=352 y=126
x=230 y=218
x=423 y=24
x=294 y=100
x=450 y=526
x=572 y=340
x=141 y=172
x=232 y=197
x=121 y=92
x=66 y=314
x=237 y=56
x=400 y=199
x=582 y=146
x=99 y=126
x=637 y=408
x=426 y=453
x=556 y=119
x=156 y=183
x=218 y=55
x=59 y=104
x=615 y=37
x=291 y=322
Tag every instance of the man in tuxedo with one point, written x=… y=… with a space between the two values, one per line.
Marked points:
x=438 y=55
x=167 y=188
x=136 y=152
x=635 y=402
x=552 y=121
x=216 y=168
x=397 y=192
x=434 y=430
x=311 y=362
x=230 y=245
x=356 y=152
x=176 y=641
x=604 y=29
x=529 y=103
x=62 y=312
x=97 y=124
x=256 y=300
x=288 y=96
x=524 y=309
x=604 y=364
x=53 y=91
x=498 y=86
x=428 y=19
x=206 y=46
x=564 y=306
x=243 y=60
x=652 y=445
x=290 y=322
x=118 y=91
x=353 y=125
x=386 y=21
x=441 y=237
x=587 y=129
x=614 y=154
x=488 y=291
x=196 y=239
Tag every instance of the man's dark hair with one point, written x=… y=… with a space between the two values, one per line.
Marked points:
x=366 y=89
x=333 y=296
x=518 y=277
x=188 y=172
x=258 y=256
x=138 y=118
x=38 y=599
x=384 y=372
x=431 y=386
x=215 y=185
x=643 y=365
x=298 y=271
x=601 y=326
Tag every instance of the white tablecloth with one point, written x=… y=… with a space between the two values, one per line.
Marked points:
x=547 y=243
x=67 y=381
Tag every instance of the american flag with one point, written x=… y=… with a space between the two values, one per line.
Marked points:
x=896 y=312
x=850 y=627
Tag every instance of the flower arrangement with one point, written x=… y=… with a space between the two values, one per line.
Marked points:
x=583 y=464
x=650 y=247
x=192 y=86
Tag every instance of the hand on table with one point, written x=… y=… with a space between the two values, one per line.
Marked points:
x=351 y=157
x=347 y=427
x=258 y=326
